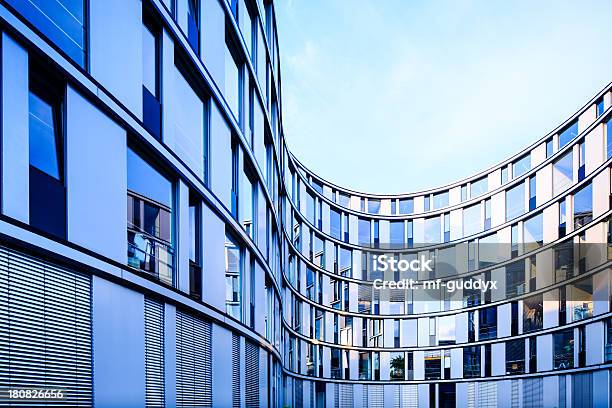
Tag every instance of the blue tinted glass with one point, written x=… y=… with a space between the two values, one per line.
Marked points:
x=471 y=220
x=432 y=230
x=568 y=134
x=334 y=224
x=608 y=140
x=61 y=21
x=549 y=148
x=515 y=201
x=426 y=203
x=440 y=200
x=563 y=173
x=373 y=206
x=318 y=187
x=364 y=232
x=600 y=107
x=521 y=166
x=533 y=231
x=145 y=180
x=479 y=187
x=504 y=175
x=43 y=141
x=583 y=201
x=397 y=233
x=406 y=206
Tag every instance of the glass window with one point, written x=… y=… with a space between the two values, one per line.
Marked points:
x=471 y=220
x=364 y=236
x=440 y=200
x=532 y=193
x=233 y=290
x=345 y=262
x=583 y=206
x=447 y=227
x=310 y=209
x=146 y=181
x=487 y=319
x=515 y=201
x=397 y=234
x=318 y=251
x=521 y=166
x=533 y=235
x=446 y=330
x=432 y=230
x=463 y=193
x=195 y=237
x=600 y=107
x=568 y=134
x=317 y=186
x=406 y=206
x=149 y=60
x=479 y=187
x=608 y=139
x=344 y=200
x=562 y=219
x=44 y=135
x=563 y=173
x=397 y=366
x=504 y=175
x=232 y=83
x=549 y=148
x=393 y=206
x=563 y=350
x=581 y=295
x=248 y=204
x=487 y=223
x=426 y=204
x=334 y=224
x=373 y=206
x=515 y=356
x=63 y=22
x=515 y=278
x=471 y=362
x=433 y=365
x=533 y=315
x=149 y=219
x=193 y=24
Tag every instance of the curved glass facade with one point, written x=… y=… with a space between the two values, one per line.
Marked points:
x=145 y=177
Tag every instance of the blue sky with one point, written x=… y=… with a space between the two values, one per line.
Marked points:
x=394 y=96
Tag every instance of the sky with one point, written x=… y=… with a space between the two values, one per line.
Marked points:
x=398 y=96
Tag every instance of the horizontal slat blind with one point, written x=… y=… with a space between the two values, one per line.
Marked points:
x=45 y=329
x=252 y=375
x=154 y=353
x=193 y=361
x=235 y=371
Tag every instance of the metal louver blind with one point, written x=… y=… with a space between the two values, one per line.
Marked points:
x=487 y=395
x=251 y=375
x=336 y=395
x=193 y=361
x=235 y=371
x=410 y=396
x=532 y=392
x=377 y=396
x=471 y=395
x=154 y=353
x=45 y=329
x=346 y=396
x=514 y=397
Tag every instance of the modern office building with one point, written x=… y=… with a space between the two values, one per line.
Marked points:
x=161 y=246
